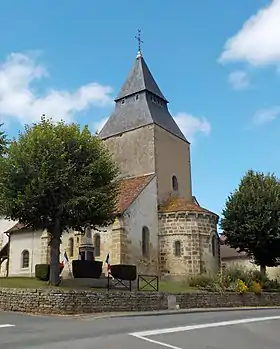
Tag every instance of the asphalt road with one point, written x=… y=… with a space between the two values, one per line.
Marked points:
x=254 y=329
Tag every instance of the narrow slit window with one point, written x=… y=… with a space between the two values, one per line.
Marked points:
x=175 y=183
x=177 y=247
x=145 y=242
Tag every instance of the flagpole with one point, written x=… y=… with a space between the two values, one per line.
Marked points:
x=70 y=271
x=108 y=282
x=108 y=270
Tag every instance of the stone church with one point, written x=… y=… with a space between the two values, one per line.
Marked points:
x=160 y=226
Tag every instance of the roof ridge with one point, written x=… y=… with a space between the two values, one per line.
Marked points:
x=139 y=176
x=173 y=204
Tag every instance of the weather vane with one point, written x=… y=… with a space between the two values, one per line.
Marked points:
x=138 y=38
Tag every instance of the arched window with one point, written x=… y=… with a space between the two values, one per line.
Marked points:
x=213 y=243
x=145 y=241
x=174 y=183
x=97 y=245
x=25 y=259
x=71 y=247
x=177 y=248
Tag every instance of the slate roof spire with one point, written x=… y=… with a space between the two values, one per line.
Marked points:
x=140 y=79
x=139 y=103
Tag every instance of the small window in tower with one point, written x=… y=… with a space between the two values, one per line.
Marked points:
x=177 y=248
x=174 y=183
x=136 y=97
x=123 y=101
x=214 y=245
x=145 y=242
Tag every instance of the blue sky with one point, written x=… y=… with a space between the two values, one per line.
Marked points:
x=217 y=62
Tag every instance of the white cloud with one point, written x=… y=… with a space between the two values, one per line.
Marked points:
x=266 y=115
x=191 y=125
x=239 y=80
x=258 y=42
x=19 y=99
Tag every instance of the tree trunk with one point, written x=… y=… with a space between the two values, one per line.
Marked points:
x=263 y=269
x=54 y=265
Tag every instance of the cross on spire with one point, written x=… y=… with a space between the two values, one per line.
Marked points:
x=138 y=38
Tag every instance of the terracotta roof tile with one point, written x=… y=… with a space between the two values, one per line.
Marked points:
x=130 y=188
x=180 y=204
x=16 y=227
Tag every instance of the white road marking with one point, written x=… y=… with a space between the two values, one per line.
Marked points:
x=143 y=335
x=6 y=325
x=156 y=342
x=201 y=326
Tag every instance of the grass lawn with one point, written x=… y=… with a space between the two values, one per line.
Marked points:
x=22 y=282
x=176 y=287
x=25 y=282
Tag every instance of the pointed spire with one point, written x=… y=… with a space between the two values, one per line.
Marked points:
x=140 y=102
x=140 y=79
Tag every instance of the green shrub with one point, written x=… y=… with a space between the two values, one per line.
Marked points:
x=270 y=285
x=87 y=269
x=241 y=287
x=249 y=277
x=259 y=277
x=124 y=272
x=233 y=274
x=42 y=272
x=202 y=281
x=256 y=288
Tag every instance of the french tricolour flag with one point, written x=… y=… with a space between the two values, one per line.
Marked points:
x=65 y=259
x=107 y=261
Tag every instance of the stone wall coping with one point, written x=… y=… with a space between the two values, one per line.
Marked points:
x=186 y=213
x=116 y=292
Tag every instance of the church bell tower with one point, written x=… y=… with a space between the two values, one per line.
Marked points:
x=144 y=138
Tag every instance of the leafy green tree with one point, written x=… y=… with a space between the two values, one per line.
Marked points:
x=251 y=219
x=3 y=141
x=58 y=177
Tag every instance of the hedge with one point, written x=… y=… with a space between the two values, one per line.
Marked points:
x=42 y=271
x=124 y=272
x=87 y=269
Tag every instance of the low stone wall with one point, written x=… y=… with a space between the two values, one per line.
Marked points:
x=81 y=302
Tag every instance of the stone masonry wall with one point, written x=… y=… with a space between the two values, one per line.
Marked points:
x=193 y=230
x=82 y=302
